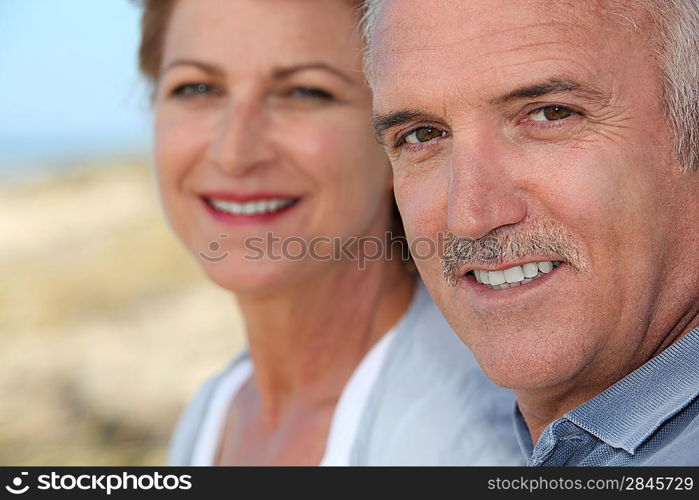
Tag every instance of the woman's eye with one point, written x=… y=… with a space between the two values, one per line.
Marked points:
x=551 y=113
x=192 y=90
x=310 y=93
x=423 y=134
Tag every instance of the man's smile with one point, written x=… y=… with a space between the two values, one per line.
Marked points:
x=513 y=276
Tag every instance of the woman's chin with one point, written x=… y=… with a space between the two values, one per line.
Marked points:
x=252 y=278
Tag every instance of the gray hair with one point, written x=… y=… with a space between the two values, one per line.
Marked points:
x=678 y=54
x=677 y=51
x=368 y=23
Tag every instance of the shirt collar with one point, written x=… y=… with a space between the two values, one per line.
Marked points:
x=524 y=439
x=627 y=413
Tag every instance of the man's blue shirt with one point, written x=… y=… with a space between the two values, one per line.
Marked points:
x=650 y=417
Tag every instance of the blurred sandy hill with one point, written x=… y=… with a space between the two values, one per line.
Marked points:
x=107 y=326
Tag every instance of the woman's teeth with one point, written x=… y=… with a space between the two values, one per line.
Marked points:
x=252 y=208
x=514 y=276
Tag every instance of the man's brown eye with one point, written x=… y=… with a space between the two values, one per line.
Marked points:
x=423 y=134
x=551 y=113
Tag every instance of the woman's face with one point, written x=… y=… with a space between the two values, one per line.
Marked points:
x=262 y=127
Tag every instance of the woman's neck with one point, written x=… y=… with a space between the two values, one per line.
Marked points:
x=306 y=341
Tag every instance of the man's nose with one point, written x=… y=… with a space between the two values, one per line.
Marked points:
x=241 y=139
x=483 y=191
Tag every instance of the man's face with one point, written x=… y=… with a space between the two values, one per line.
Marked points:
x=536 y=128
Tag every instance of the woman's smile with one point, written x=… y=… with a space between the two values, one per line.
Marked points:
x=248 y=209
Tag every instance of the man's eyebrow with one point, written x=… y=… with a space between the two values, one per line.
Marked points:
x=211 y=69
x=552 y=86
x=281 y=73
x=385 y=121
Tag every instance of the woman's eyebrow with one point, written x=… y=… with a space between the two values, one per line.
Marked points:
x=209 y=68
x=284 y=72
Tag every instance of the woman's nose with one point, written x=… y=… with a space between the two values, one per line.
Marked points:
x=241 y=141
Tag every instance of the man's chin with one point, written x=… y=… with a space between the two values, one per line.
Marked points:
x=529 y=359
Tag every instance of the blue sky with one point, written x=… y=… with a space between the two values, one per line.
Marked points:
x=69 y=86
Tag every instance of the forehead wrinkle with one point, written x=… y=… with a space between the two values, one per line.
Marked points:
x=392 y=53
x=535 y=60
x=421 y=46
x=399 y=30
x=593 y=18
x=526 y=46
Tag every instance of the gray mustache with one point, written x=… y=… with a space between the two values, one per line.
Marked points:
x=545 y=239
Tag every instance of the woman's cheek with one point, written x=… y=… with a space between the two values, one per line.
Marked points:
x=175 y=142
x=175 y=156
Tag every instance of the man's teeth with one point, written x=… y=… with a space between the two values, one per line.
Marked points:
x=514 y=276
x=253 y=207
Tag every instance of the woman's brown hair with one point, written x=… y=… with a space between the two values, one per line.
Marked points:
x=154 y=23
